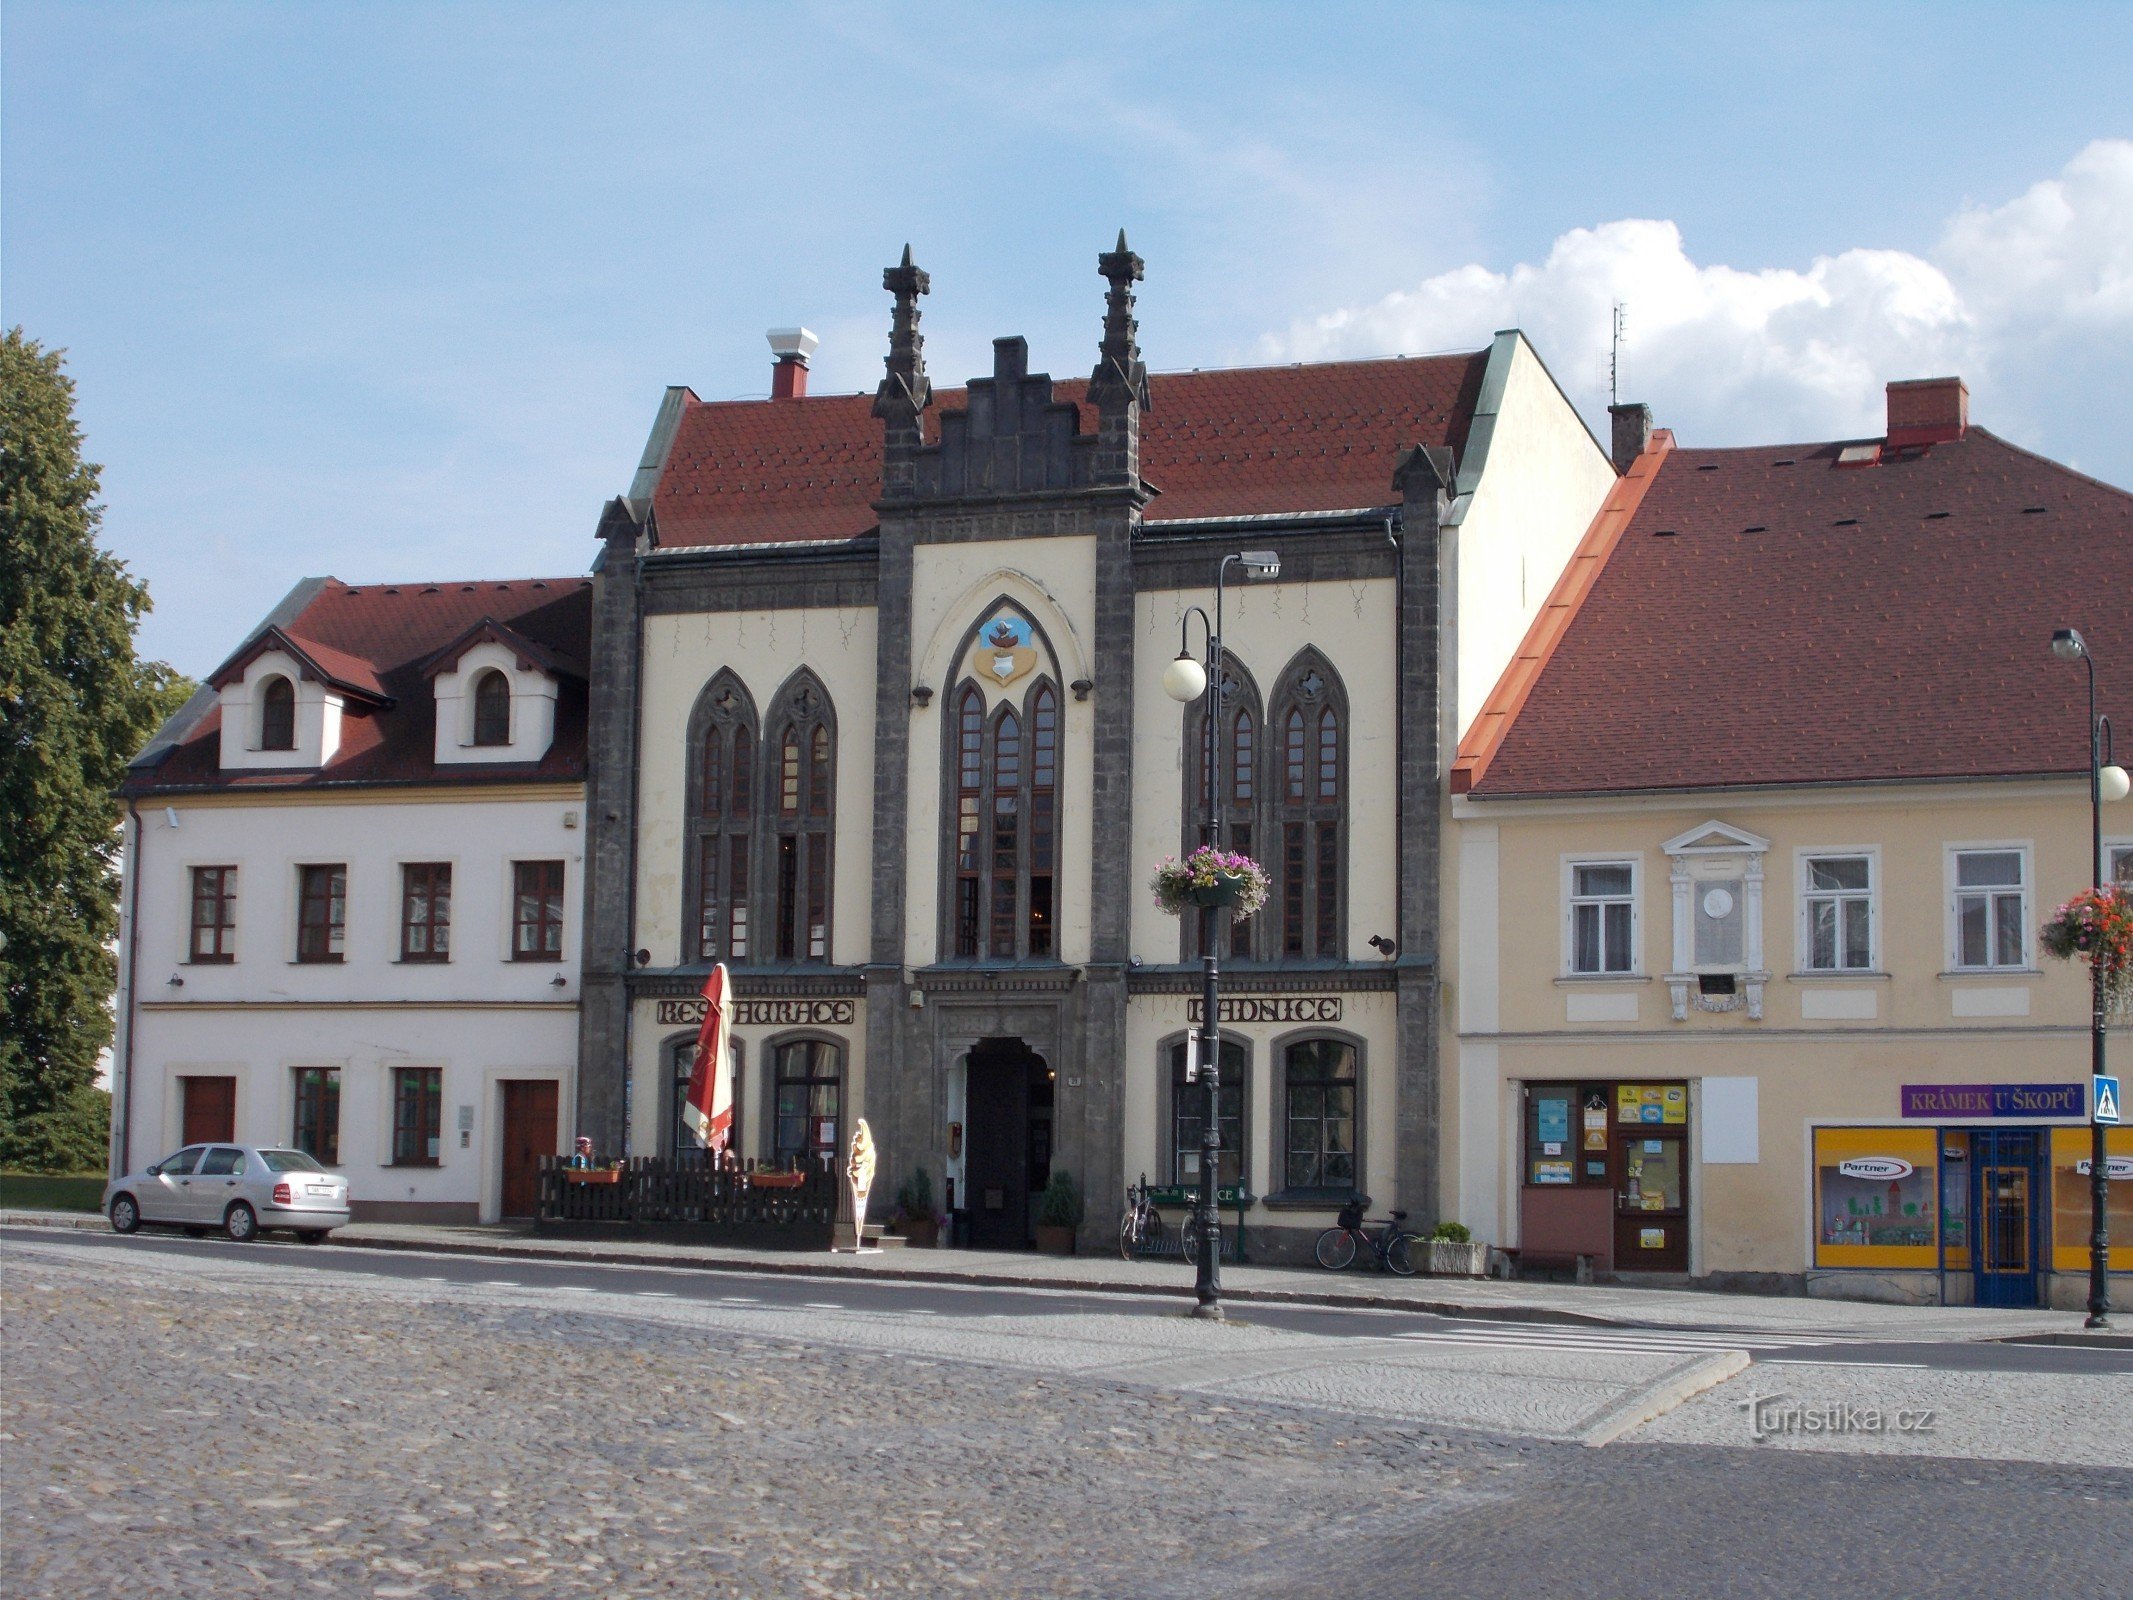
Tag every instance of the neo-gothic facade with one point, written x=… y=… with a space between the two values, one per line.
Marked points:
x=877 y=721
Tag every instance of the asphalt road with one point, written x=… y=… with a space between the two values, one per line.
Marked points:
x=795 y=1292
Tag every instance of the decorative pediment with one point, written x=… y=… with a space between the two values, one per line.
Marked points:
x=315 y=663
x=1716 y=838
x=528 y=655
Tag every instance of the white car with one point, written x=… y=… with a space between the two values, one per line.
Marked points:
x=237 y=1188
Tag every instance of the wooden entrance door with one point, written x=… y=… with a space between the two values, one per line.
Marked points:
x=997 y=1162
x=529 y=1134
x=1651 y=1199
x=210 y=1110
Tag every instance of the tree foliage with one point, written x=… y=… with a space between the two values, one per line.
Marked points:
x=75 y=704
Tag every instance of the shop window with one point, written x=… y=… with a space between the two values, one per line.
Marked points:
x=1991 y=920
x=808 y=1080
x=2072 y=1206
x=321 y=913
x=214 y=922
x=1319 y=1086
x=1603 y=899
x=418 y=1116
x=317 y=1130
x=681 y=1135
x=1838 y=896
x=1876 y=1193
x=277 y=714
x=1188 y=1115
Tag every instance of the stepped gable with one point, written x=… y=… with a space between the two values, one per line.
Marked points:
x=1836 y=613
x=1250 y=441
x=381 y=637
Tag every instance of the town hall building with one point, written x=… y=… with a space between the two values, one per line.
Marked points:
x=877 y=720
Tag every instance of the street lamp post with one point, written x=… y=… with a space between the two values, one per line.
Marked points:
x=1185 y=680
x=2106 y=781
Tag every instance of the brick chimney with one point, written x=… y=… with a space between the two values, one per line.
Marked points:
x=1925 y=411
x=792 y=347
x=1633 y=433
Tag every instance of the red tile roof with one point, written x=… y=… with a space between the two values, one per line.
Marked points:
x=384 y=634
x=1772 y=618
x=1237 y=442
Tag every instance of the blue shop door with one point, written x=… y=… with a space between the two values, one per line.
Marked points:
x=2007 y=1203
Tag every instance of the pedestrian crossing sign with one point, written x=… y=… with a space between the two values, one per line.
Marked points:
x=2106 y=1100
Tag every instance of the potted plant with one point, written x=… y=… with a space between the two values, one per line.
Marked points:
x=2097 y=926
x=1059 y=1213
x=916 y=1218
x=1455 y=1253
x=1209 y=877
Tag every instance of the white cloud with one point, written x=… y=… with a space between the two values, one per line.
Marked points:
x=1728 y=355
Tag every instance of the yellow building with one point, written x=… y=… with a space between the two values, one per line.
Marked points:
x=1749 y=854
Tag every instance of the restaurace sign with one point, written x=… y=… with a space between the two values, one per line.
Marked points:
x=763 y=1013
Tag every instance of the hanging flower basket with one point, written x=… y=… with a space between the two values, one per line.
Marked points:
x=2097 y=926
x=1209 y=877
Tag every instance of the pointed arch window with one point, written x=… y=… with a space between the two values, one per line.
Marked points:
x=277 y=714
x=723 y=821
x=1309 y=809
x=1006 y=775
x=801 y=824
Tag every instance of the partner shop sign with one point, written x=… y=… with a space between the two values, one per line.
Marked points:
x=2025 y=1100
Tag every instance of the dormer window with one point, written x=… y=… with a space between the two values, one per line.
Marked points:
x=277 y=714
x=492 y=709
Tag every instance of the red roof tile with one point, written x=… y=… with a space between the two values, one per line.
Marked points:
x=1239 y=442
x=1771 y=618
x=384 y=634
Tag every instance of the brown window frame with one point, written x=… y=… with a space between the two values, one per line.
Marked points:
x=1326 y=1082
x=1241 y=786
x=322 y=940
x=214 y=889
x=277 y=713
x=489 y=732
x=719 y=866
x=316 y=1127
x=426 y=1126
x=427 y=884
x=1004 y=826
x=1307 y=812
x=809 y=1052
x=801 y=812
x=547 y=895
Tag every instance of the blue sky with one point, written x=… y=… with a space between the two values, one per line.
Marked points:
x=392 y=290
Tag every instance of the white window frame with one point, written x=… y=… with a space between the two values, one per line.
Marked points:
x=1951 y=901
x=2115 y=851
x=1634 y=860
x=1805 y=894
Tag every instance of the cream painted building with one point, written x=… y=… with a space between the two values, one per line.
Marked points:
x=354 y=873
x=1750 y=850
x=878 y=722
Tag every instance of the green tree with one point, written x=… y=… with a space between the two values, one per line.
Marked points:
x=75 y=704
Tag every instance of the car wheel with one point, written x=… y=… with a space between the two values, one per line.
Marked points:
x=125 y=1214
x=312 y=1235
x=241 y=1223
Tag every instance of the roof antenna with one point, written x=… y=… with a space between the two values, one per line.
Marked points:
x=1614 y=360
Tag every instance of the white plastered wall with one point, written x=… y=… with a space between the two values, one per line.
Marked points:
x=682 y=653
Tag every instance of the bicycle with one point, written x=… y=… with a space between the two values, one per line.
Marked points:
x=1336 y=1247
x=1140 y=1230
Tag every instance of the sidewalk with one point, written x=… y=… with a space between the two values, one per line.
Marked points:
x=1457 y=1297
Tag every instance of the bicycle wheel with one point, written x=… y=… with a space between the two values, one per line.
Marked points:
x=1335 y=1249
x=1397 y=1256
x=1129 y=1235
x=1189 y=1239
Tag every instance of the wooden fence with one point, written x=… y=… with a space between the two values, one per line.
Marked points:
x=750 y=1204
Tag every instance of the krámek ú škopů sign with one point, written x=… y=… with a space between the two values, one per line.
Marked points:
x=1995 y=1099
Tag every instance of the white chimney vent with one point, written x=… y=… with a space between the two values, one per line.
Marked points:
x=792 y=343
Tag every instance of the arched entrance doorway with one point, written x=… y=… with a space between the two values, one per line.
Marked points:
x=1007 y=1142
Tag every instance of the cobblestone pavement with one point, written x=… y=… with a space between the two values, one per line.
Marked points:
x=170 y=1429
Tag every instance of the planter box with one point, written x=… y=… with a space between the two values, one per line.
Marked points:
x=592 y=1175
x=1053 y=1241
x=1449 y=1260
x=922 y=1233
x=777 y=1180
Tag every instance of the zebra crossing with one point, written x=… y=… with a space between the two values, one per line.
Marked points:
x=1595 y=1339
